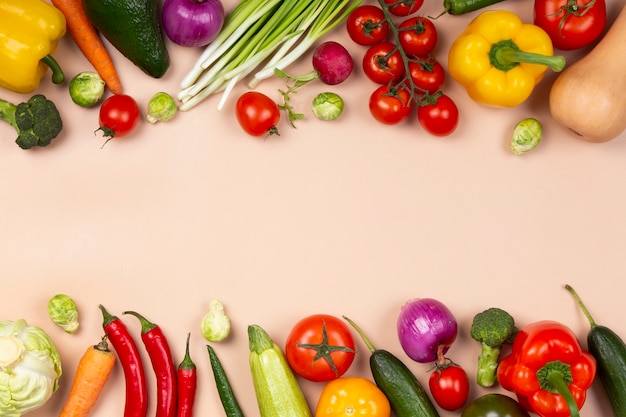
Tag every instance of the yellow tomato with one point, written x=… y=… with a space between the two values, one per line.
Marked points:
x=352 y=396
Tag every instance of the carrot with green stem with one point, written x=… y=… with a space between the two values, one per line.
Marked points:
x=88 y=41
x=92 y=373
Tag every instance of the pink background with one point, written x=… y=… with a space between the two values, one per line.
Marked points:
x=349 y=217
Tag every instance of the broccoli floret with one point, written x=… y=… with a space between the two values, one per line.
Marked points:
x=493 y=328
x=37 y=121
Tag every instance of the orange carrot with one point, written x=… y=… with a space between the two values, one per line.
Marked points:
x=93 y=371
x=88 y=41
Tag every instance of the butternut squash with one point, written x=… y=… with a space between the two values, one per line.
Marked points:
x=589 y=97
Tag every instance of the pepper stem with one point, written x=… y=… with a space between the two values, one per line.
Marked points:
x=506 y=55
x=555 y=377
x=57 y=73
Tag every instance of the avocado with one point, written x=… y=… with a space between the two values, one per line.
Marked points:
x=134 y=28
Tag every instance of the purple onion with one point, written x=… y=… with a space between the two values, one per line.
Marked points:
x=426 y=329
x=192 y=23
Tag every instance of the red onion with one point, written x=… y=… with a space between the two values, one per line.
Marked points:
x=192 y=22
x=426 y=329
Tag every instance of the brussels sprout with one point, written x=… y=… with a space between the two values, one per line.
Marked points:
x=63 y=312
x=86 y=88
x=161 y=107
x=526 y=136
x=327 y=106
x=215 y=325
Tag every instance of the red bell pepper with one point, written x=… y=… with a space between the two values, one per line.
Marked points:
x=548 y=370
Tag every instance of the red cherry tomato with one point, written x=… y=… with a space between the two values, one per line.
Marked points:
x=571 y=24
x=366 y=25
x=382 y=63
x=449 y=386
x=118 y=115
x=257 y=114
x=439 y=117
x=320 y=348
x=404 y=7
x=390 y=105
x=418 y=36
x=427 y=74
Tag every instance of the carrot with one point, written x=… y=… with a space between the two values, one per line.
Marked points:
x=93 y=371
x=88 y=41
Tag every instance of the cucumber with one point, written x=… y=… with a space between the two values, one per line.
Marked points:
x=224 y=388
x=456 y=7
x=406 y=395
x=609 y=350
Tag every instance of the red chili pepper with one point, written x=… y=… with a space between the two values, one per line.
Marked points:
x=130 y=359
x=187 y=383
x=161 y=357
x=548 y=370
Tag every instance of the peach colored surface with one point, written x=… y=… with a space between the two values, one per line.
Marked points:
x=348 y=218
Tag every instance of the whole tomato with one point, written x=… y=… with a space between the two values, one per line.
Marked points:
x=366 y=25
x=440 y=116
x=571 y=24
x=390 y=105
x=449 y=386
x=403 y=7
x=418 y=36
x=118 y=115
x=320 y=348
x=352 y=396
x=257 y=114
x=382 y=63
x=427 y=74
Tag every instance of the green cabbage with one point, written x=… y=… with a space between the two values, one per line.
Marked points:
x=30 y=368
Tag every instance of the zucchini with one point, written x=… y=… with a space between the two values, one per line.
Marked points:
x=406 y=395
x=609 y=351
x=276 y=387
x=224 y=388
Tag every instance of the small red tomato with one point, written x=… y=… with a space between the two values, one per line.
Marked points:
x=418 y=36
x=257 y=114
x=440 y=116
x=404 y=7
x=366 y=25
x=320 y=348
x=382 y=63
x=390 y=105
x=427 y=74
x=449 y=386
x=118 y=115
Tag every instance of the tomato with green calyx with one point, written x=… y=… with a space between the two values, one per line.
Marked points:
x=383 y=63
x=571 y=24
x=352 y=396
x=418 y=36
x=403 y=7
x=366 y=25
x=390 y=104
x=257 y=114
x=118 y=116
x=438 y=114
x=320 y=348
x=449 y=386
x=494 y=405
x=427 y=74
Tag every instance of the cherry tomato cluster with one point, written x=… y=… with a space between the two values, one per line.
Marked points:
x=400 y=58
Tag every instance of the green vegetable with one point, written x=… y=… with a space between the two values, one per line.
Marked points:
x=493 y=328
x=36 y=121
x=456 y=7
x=327 y=106
x=224 y=388
x=526 y=136
x=87 y=88
x=63 y=312
x=406 y=395
x=274 y=32
x=277 y=391
x=135 y=29
x=161 y=108
x=30 y=368
x=494 y=405
x=609 y=351
x=215 y=324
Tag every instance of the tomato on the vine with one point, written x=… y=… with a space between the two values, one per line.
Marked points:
x=352 y=396
x=571 y=24
x=383 y=63
x=320 y=347
x=439 y=116
x=418 y=36
x=390 y=104
x=257 y=114
x=366 y=25
x=449 y=386
x=118 y=115
x=427 y=74
x=403 y=7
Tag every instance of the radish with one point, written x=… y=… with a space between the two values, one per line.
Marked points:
x=332 y=63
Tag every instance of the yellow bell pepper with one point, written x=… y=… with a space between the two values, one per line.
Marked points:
x=29 y=33
x=499 y=59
